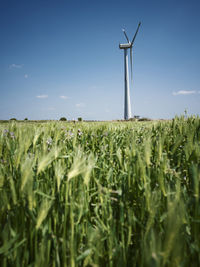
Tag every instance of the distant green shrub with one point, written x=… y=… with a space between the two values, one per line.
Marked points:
x=26 y=119
x=144 y=119
x=13 y=119
x=80 y=119
x=132 y=119
x=63 y=119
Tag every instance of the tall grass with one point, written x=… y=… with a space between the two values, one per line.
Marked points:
x=100 y=194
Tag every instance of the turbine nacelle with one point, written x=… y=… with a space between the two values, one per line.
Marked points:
x=125 y=46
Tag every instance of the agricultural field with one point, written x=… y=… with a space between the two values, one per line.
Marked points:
x=100 y=194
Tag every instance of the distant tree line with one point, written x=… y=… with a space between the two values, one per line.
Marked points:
x=80 y=119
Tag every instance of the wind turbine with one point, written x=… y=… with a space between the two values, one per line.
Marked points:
x=127 y=101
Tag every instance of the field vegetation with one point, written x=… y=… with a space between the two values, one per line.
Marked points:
x=100 y=194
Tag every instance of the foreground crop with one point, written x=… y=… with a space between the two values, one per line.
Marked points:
x=101 y=194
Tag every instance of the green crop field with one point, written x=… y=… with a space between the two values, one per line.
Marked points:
x=100 y=194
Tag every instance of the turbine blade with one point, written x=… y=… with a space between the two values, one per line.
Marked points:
x=136 y=33
x=126 y=35
x=131 y=60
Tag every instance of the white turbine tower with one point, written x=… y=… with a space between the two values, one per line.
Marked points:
x=127 y=101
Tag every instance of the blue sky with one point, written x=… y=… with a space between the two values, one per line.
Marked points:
x=62 y=58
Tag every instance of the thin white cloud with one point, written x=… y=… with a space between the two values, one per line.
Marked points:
x=26 y=76
x=184 y=92
x=42 y=96
x=15 y=66
x=64 y=97
x=80 y=105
